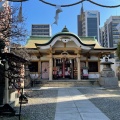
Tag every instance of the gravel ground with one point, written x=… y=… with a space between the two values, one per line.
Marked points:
x=107 y=100
x=41 y=106
x=42 y=103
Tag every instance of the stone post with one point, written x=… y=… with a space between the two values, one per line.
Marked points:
x=22 y=74
x=27 y=82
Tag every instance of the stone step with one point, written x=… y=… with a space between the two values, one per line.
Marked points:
x=66 y=83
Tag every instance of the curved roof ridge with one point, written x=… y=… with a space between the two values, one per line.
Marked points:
x=63 y=34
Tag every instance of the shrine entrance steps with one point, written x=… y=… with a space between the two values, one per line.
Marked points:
x=66 y=83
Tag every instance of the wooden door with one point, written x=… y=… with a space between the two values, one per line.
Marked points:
x=45 y=70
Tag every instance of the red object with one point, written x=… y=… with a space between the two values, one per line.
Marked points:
x=63 y=68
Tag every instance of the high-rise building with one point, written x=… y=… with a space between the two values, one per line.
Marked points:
x=41 y=30
x=88 y=23
x=111 y=34
x=79 y=21
x=102 y=37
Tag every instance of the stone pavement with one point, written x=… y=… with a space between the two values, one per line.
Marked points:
x=73 y=105
x=107 y=100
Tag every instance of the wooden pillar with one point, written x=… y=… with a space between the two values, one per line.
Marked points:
x=72 y=68
x=26 y=70
x=86 y=62
x=39 y=67
x=54 y=62
x=63 y=71
x=51 y=68
x=99 y=65
x=78 y=69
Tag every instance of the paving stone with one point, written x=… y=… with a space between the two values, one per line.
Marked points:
x=107 y=100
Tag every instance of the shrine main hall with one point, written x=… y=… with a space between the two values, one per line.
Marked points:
x=65 y=56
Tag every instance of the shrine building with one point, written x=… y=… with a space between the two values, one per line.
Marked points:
x=65 y=56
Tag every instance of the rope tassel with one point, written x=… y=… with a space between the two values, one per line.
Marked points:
x=57 y=14
x=20 y=14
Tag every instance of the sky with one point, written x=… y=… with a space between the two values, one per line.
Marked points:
x=37 y=12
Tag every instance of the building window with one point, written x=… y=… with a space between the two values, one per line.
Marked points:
x=93 y=66
x=33 y=67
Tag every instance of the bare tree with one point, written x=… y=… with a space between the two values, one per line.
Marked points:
x=11 y=28
x=12 y=31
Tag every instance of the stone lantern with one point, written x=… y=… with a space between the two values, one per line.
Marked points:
x=107 y=76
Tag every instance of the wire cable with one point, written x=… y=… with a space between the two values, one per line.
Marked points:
x=107 y=6
x=68 y=5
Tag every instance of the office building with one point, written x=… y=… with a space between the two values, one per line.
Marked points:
x=41 y=30
x=88 y=24
x=102 y=37
x=111 y=33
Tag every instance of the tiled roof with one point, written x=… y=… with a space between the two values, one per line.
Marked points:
x=36 y=39
x=43 y=40
x=91 y=40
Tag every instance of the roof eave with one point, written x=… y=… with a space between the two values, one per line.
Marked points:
x=62 y=34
